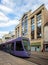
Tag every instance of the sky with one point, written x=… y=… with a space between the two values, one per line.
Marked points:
x=11 y=12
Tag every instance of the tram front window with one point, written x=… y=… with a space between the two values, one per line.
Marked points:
x=26 y=45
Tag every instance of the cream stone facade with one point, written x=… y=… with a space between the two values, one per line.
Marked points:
x=0 y=41
x=32 y=26
x=6 y=37
x=10 y=35
x=46 y=33
x=18 y=31
x=45 y=45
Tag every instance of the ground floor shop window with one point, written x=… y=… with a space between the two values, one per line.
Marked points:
x=36 y=46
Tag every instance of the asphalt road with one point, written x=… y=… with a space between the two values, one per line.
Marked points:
x=8 y=59
x=38 y=58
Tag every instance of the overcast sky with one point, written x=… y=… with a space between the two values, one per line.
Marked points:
x=12 y=10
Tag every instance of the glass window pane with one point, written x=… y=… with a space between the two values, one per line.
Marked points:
x=24 y=26
x=39 y=25
x=26 y=45
x=12 y=46
x=19 y=46
x=38 y=16
x=32 y=28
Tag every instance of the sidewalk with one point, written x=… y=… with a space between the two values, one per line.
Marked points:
x=7 y=59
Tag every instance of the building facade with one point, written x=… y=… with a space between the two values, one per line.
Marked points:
x=10 y=35
x=32 y=26
x=18 y=30
x=0 y=40
x=6 y=37
x=45 y=45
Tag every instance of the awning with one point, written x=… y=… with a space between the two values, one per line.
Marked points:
x=36 y=44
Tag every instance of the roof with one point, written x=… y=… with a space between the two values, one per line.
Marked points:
x=12 y=40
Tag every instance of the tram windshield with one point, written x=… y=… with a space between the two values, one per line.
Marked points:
x=26 y=45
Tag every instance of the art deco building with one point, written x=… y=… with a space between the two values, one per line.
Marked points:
x=32 y=26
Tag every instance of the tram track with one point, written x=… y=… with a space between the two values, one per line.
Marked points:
x=31 y=60
x=37 y=60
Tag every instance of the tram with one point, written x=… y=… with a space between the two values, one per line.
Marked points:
x=18 y=47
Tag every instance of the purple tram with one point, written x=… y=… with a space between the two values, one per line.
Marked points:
x=18 y=47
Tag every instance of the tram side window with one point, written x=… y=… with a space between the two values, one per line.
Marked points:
x=12 y=46
x=19 y=46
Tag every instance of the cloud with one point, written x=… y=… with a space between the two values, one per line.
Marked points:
x=17 y=7
x=9 y=23
x=23 y=6
x=3 y=17
x=5 y=9
x=44 y=2
x=6 y=22
x=9 y=3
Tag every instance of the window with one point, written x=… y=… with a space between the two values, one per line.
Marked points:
x=39 y=25
x=24 y=26
x=32 y=20
x=26 y=44
x=7 y=37
x=19 y=46
x=12 y=46
x=39 y=16
x=13 y=36
x=9 y=46
x=18 y=31
x=32 y=35
x=32 y=28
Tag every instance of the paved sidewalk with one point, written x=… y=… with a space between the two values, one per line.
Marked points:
x=7 y=59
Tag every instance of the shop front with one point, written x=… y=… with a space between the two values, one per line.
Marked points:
x=36 y=46
x=45 y=46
